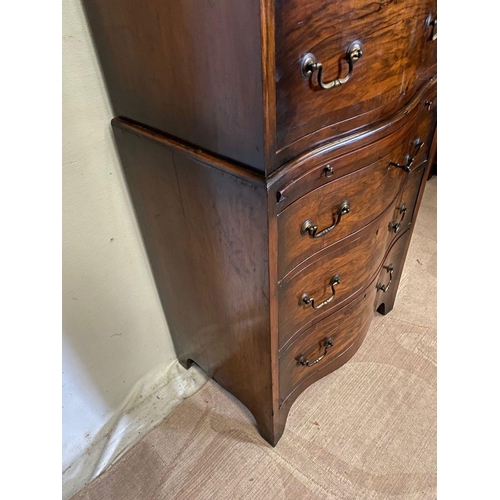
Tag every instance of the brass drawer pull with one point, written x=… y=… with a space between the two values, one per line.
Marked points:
x=390 y=270
x=396 y=226
x=327 y=344
x=328 y=171
x=309 y=228
x=432 y=22
x=309 y=65
x=305 y=299
x=409 y=159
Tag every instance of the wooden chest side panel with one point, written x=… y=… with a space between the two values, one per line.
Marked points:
x=206 y=235
x=190 y=68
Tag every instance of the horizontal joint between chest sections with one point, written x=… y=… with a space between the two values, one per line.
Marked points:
x=228 y=166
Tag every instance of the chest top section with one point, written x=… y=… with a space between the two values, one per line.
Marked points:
x=259 y=83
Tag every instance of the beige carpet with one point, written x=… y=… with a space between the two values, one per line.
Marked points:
x=367 y=431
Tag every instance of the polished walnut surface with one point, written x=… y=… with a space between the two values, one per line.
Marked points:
x=276 y=213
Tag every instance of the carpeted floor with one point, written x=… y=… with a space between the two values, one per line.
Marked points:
x=366 y=431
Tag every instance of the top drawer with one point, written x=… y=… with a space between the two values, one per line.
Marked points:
x=398 y=53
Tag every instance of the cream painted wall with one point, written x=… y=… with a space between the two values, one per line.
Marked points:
x=114 y=331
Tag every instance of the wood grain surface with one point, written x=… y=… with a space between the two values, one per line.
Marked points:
x=395 y=62
x=344 y=155
x=369 y=190
x=347 y=327
x=356 y=262
x=190 y=68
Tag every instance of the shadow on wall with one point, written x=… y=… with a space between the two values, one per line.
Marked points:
x=110 y=322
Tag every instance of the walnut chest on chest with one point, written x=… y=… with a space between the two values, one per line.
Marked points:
x=276 y=154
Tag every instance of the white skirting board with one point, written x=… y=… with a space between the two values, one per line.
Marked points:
x=150 y=400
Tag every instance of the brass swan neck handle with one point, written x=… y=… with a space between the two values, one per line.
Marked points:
x=310 y=65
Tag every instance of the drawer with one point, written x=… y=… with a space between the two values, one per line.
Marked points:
x=397 y=51
x=337 y=209
x=327 y=283
x=333 y=161
x=314 y=354
x=413 y=124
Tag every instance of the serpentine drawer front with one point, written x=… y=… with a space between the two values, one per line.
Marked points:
x=276 y=154
x=324 y=342
x=338 y=209
x=388 y=41
x=334 y=278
